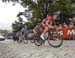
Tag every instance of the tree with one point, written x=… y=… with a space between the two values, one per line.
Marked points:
x=65 y=7
x=42 y=8
x=3 y=31
x=18 y=25
x=32 y=23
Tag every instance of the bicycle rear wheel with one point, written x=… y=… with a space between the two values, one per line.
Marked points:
x=55 y=41
x=32 y=41
x=38 y=41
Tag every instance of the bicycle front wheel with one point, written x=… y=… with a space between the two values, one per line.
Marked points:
x=55 y=41
x=25 y=41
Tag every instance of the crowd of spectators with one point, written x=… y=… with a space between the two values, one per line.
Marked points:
x=70 y=22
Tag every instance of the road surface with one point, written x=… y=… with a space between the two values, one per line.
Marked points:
x=11 y=49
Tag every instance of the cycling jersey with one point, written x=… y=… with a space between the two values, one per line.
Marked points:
x=49 y=19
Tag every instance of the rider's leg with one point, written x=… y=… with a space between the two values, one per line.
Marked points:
x=44 y=32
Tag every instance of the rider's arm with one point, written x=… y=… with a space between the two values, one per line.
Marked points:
x=49 y=25
x=43 y=23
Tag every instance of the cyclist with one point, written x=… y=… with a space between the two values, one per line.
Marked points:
x=37 y=28
x=46 y=24
x=24 y=32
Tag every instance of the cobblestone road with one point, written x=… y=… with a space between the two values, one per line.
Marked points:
x=10 y=49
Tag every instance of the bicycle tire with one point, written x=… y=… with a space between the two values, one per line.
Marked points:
x=32 y=41
x=56 y=46
x=25 y=41
x=38 y=41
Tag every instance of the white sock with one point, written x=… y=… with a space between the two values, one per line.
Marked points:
x=42 y=37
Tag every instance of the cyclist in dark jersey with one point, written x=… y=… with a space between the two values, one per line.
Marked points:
x=47 y=24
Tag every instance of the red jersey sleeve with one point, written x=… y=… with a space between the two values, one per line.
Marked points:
x=50 y=18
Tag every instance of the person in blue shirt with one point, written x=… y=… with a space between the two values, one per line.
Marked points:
x=24 y=32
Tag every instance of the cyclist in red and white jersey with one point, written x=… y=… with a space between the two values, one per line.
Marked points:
x=46 y=24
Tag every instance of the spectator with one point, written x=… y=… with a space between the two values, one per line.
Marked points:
x=65 y=25
x=60 y=26
x=71 y=24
